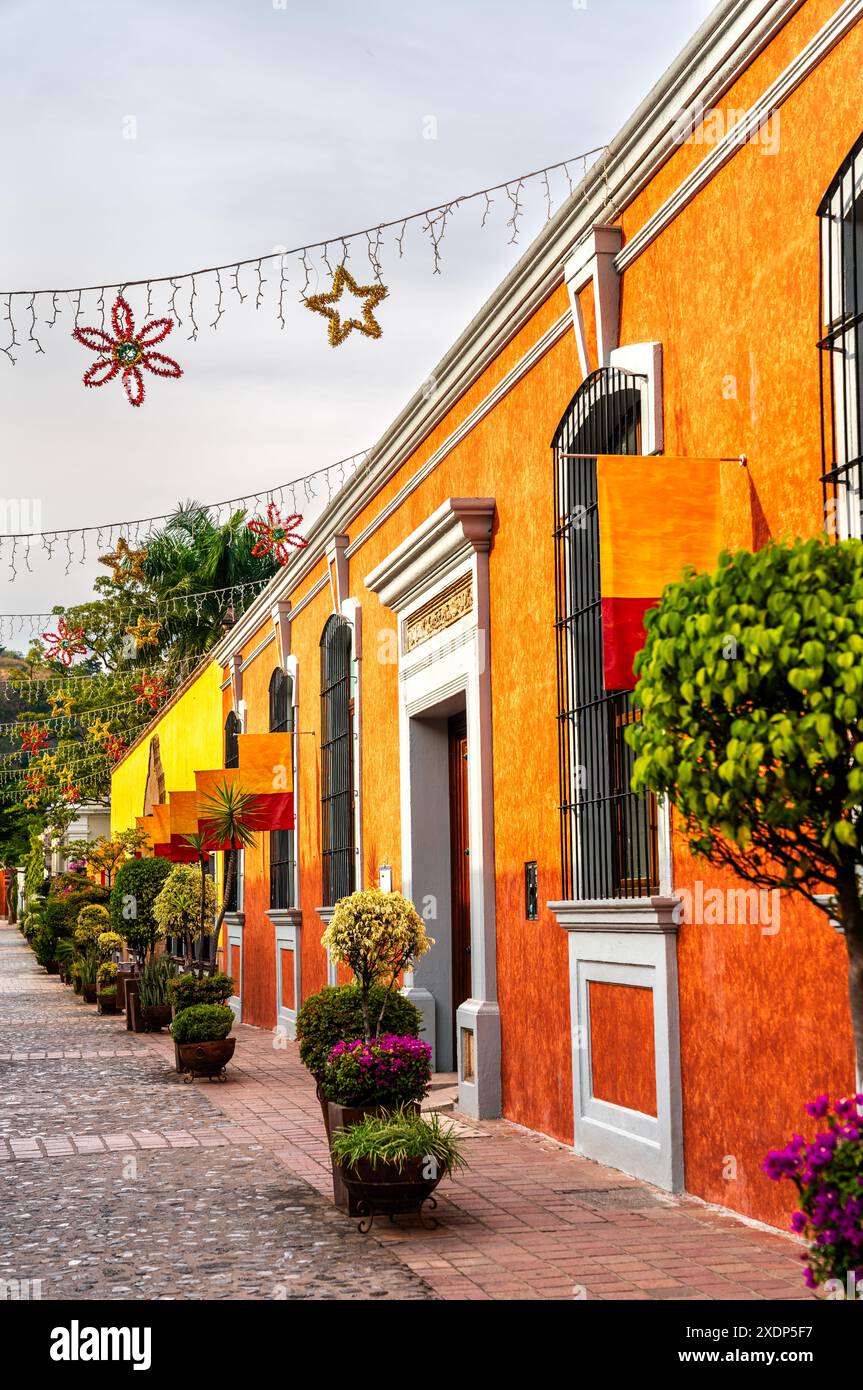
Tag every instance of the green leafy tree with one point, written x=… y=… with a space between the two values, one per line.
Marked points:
x=133 y=896
x=750 y=688
x=185 y=907
x=194 y=553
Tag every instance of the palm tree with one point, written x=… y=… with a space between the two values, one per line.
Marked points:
x=193 y=553
x=231 y=818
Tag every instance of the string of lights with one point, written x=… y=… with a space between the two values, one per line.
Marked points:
x=38 y=309
x=12 y=624
x=77 y=543
x=34 y=686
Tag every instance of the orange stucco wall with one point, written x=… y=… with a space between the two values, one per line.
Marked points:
x=730 y=290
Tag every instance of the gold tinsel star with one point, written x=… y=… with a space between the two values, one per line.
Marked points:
x=145 y=632
x=99 y=730
x=124 y=562
x=339 y=327
x=61 y=703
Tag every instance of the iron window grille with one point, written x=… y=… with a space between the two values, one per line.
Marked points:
x=608 y=835
x=282 y=862
x=841 y=345
x=232 y=740
x=337 y=761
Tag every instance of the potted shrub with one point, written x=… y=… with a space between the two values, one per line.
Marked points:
x=828 y=1175
x=91 y=922
x=393 y=1163
x=186 y=990
x=201 y=1035
x=106 y=987
x=150 y=1003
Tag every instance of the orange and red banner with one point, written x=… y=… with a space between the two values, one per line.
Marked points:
x=657 y=516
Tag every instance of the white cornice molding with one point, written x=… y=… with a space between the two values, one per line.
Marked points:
x=722 y=48
x=656 y=914
x=458 y=528
x=749 y=124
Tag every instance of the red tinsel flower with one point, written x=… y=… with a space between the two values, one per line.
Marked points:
x=275 y=534
x=70 y=792
x=151 y=689
x=115 y=747
x=127 y=352
x=65 y=643
x=34 y=739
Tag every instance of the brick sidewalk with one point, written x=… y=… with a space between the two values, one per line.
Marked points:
x=529 y=1219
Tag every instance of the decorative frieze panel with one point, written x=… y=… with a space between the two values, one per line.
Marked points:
x=439 y=613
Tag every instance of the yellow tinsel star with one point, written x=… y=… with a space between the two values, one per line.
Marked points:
x=48 y=763
x=99 y=730
x=61 y=703
x=124 y=562
x=31 y=801
x=340 y=328
x=145 y=632
x=64 y=774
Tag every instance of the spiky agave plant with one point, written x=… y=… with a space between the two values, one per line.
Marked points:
x=232 y=817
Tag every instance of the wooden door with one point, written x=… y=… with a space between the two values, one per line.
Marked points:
x=459 y=867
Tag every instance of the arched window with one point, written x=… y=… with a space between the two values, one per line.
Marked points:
x=608 y=836
x=841 y=344
x=281 y=702
x=337 y=763
x=281 y=841
x=232 y=746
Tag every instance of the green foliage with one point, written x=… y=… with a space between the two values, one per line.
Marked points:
x=186 y=990
x=399 y=1138
x=154 y=979
x=195 y=552
x=133 y=896
x=92 y=922
x=60 y=912
x=751 y=691
x=106 y=974
x=202 y=1023
x=68 y=882
x=336 y=1015
x=34 y=873
x=178 y=906
x=108 y=942
x=44 y=944
x=87 y=963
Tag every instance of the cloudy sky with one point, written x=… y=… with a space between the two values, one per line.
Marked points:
x=152 y=139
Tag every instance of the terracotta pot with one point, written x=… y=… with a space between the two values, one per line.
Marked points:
x=89 y=993
x=205 y=1058
x=53 y=967
x=107 y=1003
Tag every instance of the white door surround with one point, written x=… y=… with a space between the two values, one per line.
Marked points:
x=436 y=582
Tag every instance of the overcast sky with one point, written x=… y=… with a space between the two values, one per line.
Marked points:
x=151 y=139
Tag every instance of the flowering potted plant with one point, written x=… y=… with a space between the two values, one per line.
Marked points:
x=828 y=1175
x=378 y=935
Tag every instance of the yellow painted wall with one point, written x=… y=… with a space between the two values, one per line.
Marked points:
x=190 y=740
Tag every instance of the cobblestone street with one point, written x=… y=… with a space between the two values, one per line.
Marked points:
x=119 y=1181
x=184 y=1215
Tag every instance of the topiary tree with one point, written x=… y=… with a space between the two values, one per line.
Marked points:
x=378 y=935
x=136 y=887
x=92 y=922
x=186 y=907
x=750 y=688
